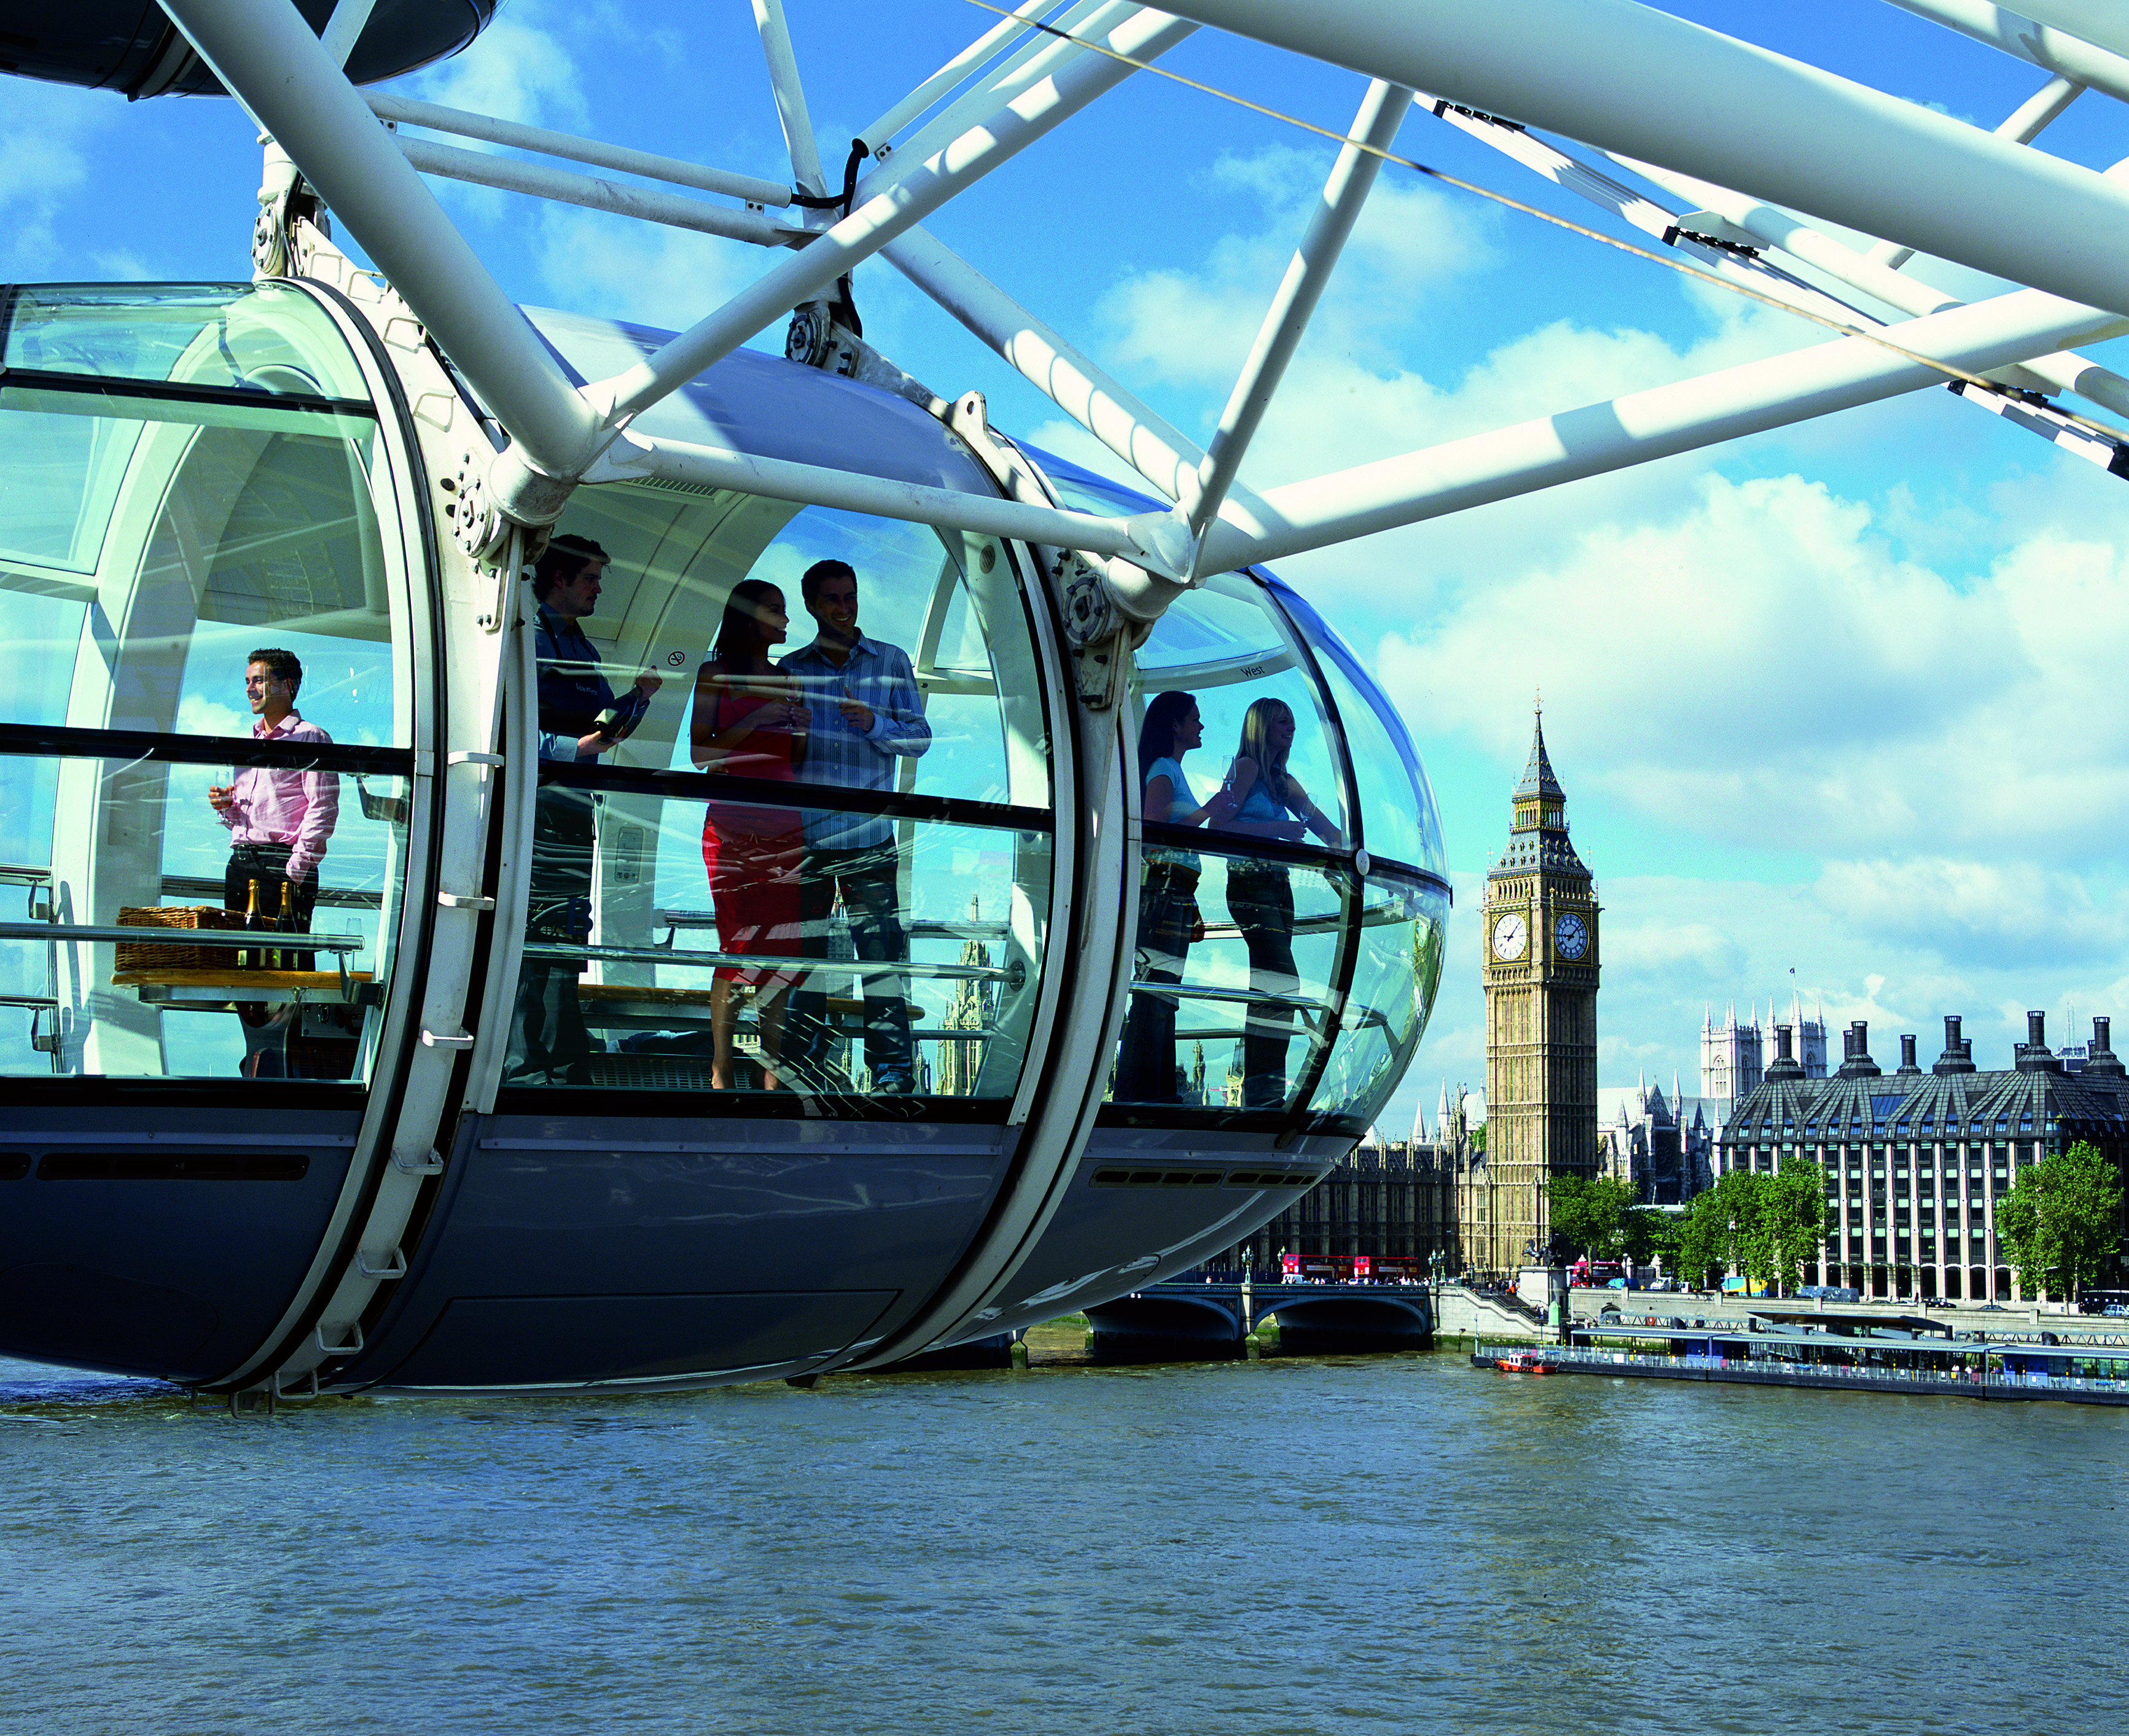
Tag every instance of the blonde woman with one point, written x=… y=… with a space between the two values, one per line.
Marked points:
x=1268 y=802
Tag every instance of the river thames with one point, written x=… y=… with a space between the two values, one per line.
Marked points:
x=1392 y=1544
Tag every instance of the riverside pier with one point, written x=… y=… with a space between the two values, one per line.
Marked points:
x=1874 y=1359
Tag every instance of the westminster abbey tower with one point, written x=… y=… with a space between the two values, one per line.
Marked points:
x=1539 y=937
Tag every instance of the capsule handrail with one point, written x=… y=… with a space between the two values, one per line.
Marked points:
x=762 y=962
x=921 y=929
x=238 y=939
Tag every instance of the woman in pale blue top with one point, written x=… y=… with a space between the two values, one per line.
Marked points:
x=1268 y=802
x=1167 y=917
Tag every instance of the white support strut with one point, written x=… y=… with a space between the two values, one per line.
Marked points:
x=996 y=40
x=634 y=458
x=790 y=95
x=883 y=215
x=1645 y=425
x=2054 y=50
x=649 y=204
x=1626 y=79
x=262 y=50
x=2061 y=372
x=676 y=171
x=1167 y=459
x=1382 y=111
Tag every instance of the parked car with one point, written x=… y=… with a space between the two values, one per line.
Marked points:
x=1993 y=1308
x=2115 y=1310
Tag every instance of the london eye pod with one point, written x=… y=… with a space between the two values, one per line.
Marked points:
x=365 y=1170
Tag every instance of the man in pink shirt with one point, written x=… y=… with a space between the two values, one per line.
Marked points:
x=279 y=818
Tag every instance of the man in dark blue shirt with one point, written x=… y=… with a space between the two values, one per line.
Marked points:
x=580 y=718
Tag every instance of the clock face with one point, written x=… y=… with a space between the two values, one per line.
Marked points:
x=1571 y=935
x=1510 y=933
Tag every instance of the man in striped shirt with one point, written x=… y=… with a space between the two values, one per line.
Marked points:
x=867 y=715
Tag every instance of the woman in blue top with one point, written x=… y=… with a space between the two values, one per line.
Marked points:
x=1268 y=802
x=1167 y=917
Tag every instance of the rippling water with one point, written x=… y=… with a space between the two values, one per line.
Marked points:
x=1392 y=1543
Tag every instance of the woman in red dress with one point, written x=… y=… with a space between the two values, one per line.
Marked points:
x=749 y=723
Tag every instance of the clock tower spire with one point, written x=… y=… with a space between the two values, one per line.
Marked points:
x=1541 y=965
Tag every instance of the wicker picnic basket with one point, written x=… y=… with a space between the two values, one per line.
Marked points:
x=132 y=956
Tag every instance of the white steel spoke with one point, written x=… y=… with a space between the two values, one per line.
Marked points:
x=2062 y=372
x=994 y=41
x=652 y=205
x=1629 y=79
x=1108 y=411
x=1645 y=425
x=2031 y=40
x=2100 y=22
x=677 y=171
x=790 y=95
x=1382 y=111
x=1763 y=224
x=919 y=191
x=264 y=51
x=344 y=28
x=2021 y=126
x=635 y=458
x=1046 y=58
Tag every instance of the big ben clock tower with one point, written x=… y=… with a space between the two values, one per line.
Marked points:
x=1539 y=937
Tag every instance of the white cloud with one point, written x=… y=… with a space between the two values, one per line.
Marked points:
x=1760 y=668
x=199 y=716
x=2008 y=914
x=519 y=68
x=594 y=262
x=44 y=130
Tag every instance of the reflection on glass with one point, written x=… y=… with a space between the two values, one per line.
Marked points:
x=124 y=958
x=1253 y=998
x=1396 y=966
x=212 y=572
x=946 y=603
x=969 y=903
x=1398 y=822
x=1225 y=645
x=269 y=338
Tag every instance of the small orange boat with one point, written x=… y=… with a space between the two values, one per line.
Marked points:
x=1525 y=1362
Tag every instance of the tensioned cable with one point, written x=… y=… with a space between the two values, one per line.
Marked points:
x=1670 y=261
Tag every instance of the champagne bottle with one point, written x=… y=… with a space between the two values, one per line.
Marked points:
x=253 y=957
x=285 y=960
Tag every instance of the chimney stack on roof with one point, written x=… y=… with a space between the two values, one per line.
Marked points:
x=1957 y=1058
x=1786 y=1065
x=2032 y=1055
x=1855 y=1052
x=2102 y=1060
x=1907 y=1055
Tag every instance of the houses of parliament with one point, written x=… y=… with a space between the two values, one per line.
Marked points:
x=1484 y=1211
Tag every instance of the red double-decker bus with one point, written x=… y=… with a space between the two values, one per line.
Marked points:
x=1353 y=1269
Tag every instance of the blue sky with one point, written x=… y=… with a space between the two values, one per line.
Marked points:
x=1841 y=698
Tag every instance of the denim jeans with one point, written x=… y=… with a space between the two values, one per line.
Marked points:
x=869 y=880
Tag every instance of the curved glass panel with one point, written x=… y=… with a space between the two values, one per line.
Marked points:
x=1227 y=647
x=1236 y=966
x=1398 y=819
x=697 y=922
x=153 y=771
x=1397 y=967
x=268 y=339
